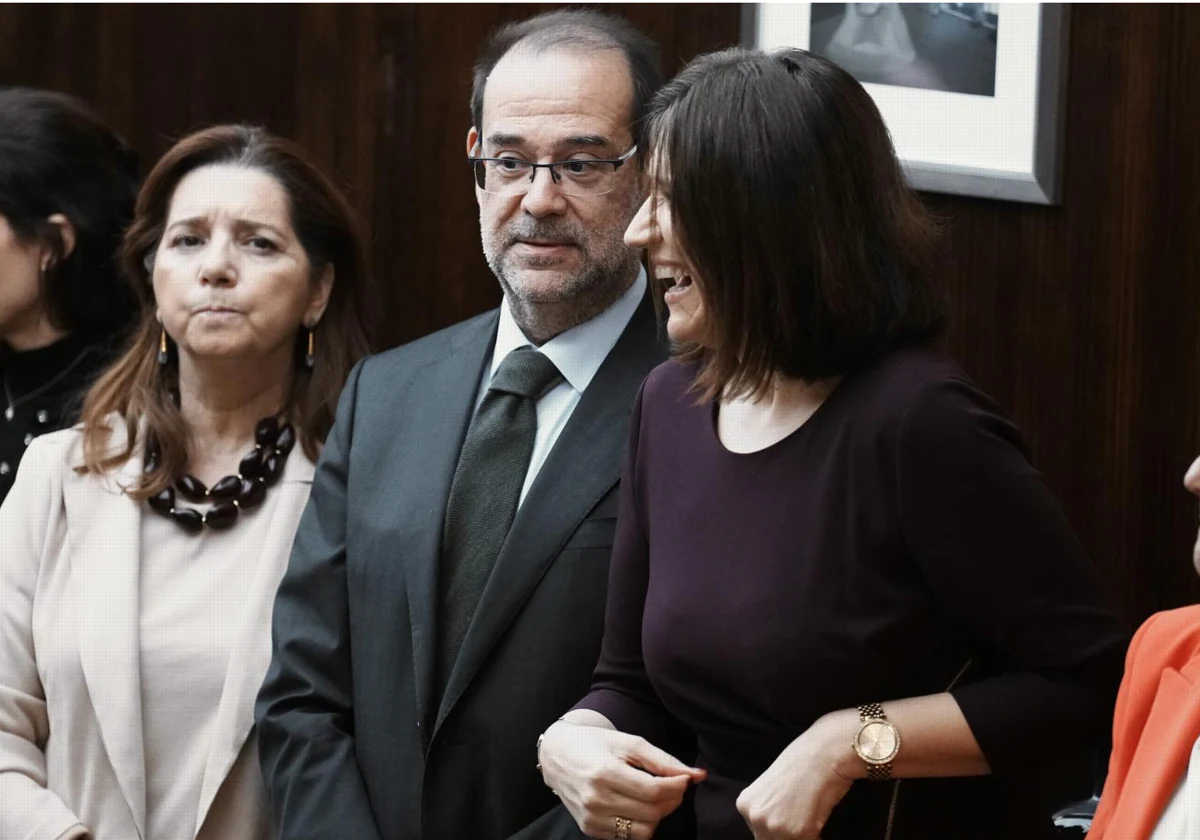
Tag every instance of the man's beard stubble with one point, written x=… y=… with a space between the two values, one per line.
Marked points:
x=603 y=275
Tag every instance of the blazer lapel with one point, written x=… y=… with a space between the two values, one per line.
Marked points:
x=1162 y=753
x=251 y=652
x=588 y=452
x=437 y=406
x=105 y=528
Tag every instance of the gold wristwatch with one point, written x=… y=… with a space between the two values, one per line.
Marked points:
x=877 y=742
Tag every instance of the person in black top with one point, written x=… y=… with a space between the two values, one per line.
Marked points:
x=834 y=564
x=67 y=189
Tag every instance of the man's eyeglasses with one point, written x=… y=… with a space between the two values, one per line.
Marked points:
x=514 y=176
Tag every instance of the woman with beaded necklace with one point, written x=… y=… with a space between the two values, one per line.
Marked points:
x=142 y=549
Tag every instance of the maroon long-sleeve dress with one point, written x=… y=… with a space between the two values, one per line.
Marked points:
x=866 y=557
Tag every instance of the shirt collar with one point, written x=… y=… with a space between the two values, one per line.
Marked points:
x=578 y=352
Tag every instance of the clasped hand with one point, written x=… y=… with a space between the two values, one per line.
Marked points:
x=794 y=798
x=601 y=774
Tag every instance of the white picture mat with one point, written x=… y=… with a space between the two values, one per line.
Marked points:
x=952 y=141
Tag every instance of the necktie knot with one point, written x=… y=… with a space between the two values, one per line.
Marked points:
x=526 y=373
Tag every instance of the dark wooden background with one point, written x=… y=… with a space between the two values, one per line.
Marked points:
x=1083 y=319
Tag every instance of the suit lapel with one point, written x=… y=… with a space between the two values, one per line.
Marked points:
x=588 y=452
x=437 y=406
x=251 y=652
x=105 y=528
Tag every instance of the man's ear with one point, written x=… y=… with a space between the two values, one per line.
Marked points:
x=475 y=146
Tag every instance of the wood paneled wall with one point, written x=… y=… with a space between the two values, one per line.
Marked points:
x=377 y=93
x=1083 y=319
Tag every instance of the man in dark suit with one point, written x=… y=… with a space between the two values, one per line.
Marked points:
x=445 y=596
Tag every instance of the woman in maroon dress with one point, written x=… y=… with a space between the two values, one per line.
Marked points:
x=835 y=568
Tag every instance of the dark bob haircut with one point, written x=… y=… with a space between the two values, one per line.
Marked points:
x=582 y=30
x=142 y=391
x=56 y=156
x=814 y=256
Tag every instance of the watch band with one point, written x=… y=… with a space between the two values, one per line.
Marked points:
x=868 y=712
x=871 y=711
x=879 y=772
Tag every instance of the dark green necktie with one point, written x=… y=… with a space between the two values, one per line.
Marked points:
x=485 y=491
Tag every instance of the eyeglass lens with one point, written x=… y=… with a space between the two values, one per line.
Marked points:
x=509 y=176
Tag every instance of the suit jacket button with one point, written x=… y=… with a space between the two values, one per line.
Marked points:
x=43 y=417
x=4 y=468
x=28 y=439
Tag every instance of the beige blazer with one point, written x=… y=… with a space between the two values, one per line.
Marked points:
x=70 y=701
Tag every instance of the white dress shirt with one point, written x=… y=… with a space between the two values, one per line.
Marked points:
x=577 y=353
x=1181 y=818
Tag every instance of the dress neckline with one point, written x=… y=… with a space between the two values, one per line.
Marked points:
x=798 y=433
x=27 y=369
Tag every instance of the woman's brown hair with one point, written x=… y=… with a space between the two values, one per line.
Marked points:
x=817 y=258
x=144 y=392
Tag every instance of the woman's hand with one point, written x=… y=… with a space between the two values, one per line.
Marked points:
x=604 y=777
x=793 y=799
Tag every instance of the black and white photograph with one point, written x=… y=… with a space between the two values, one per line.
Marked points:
x=972 y=93
x=936 y=46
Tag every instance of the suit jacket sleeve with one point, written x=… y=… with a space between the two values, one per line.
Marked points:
x=29 y=809
x=305 y=711
x=1001 y=559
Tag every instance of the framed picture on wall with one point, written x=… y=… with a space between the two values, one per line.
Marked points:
x=972 y=93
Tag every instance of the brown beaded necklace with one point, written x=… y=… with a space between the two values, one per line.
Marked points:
x=258 y=470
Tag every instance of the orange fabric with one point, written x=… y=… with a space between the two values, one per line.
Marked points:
x=1157 y=722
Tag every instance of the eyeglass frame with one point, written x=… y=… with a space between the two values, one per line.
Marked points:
x=556 y=178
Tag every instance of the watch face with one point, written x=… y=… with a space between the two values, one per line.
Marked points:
x=877 y=742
